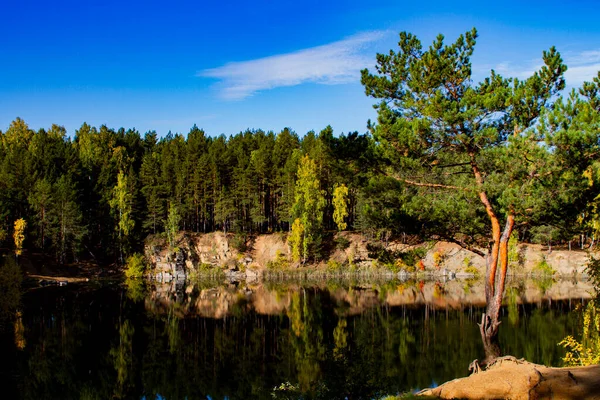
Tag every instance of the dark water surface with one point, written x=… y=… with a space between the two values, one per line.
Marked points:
x=215 y=341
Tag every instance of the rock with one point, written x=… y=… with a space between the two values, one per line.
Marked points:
x=232 y=267
x=403 y=275
x=250 y=273
x=510 y=378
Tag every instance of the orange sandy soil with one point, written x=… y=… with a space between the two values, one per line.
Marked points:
x=509 y=378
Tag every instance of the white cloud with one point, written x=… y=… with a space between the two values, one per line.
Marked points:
x=335 y=63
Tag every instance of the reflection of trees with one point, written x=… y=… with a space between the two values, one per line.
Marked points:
x=535 y=337
x=513 y=306
x=122 y=356
x=305 y=314
x=136 y=289
x=10 y=288
x=340 y=338
x=318 y=347
x=20 y=341
x=54 y=355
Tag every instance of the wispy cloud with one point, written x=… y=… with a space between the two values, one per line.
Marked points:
x=582 y=66
x=334 y=63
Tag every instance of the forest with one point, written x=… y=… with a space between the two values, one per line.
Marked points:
x=439 y=142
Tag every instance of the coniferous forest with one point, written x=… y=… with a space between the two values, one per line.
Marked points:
x=103 y=189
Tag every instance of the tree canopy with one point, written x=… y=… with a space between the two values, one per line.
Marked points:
x=476 y=156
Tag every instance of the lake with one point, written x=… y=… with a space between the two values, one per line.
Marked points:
x=280 y=339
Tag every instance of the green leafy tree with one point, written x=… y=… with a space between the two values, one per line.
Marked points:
x=295 y=239
x=122 y=205
x=340 y=206
x=172 y=223
x=308 y=206
x=454 y=142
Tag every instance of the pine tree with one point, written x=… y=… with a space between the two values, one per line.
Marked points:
x=153 y=192
x=65 y=219
x=40 y=200
x=440 y=133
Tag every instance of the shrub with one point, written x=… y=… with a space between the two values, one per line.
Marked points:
x=333 y=266
x=401 y=265
x=544 y=268
x=438 y=258
x=135 y=266
x=239 y=242
x=342 y=243
x=586 y=351
x=279 y=263
x=472 y=270
x=385 y=256
x=469 y=267
x=351 y=255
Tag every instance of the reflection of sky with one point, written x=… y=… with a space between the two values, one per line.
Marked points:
x=235 y=65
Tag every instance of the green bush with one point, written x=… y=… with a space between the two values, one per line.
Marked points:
x=280 y=263
x=333 y=266
x=390 y=258
x=135 y=266
x=239 y=242
x=543 y=268
x=341 y=243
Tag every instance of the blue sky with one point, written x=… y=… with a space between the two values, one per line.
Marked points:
x=229 y=66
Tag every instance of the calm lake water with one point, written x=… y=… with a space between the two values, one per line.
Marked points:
x=277 y=340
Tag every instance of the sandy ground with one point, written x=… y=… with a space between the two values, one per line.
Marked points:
x=515 y=379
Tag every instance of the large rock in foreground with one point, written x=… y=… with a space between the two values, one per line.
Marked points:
x=509 y=378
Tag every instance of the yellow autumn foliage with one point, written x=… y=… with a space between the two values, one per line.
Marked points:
x=19 y=235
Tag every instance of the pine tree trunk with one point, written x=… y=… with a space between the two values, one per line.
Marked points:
x=495 y=279
x=494 y=287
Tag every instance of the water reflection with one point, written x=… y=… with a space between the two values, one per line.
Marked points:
x=275 y=340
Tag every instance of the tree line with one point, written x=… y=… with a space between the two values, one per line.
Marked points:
x=99 y=193
x=446 y=158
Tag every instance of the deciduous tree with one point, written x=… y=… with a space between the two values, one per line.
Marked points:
x=308 y=206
